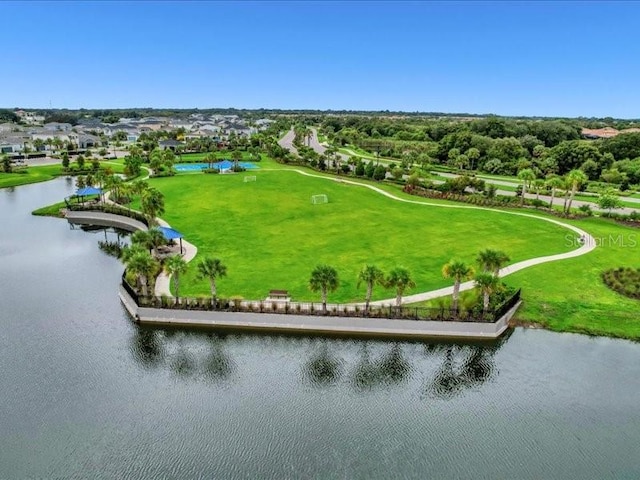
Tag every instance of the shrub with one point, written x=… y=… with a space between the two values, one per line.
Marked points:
x=624 y=280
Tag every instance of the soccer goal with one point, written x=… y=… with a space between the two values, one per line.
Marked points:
x=318 y=199
x=249 y=178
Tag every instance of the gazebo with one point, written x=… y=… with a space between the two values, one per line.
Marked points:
x=84 y=192
x=171 y=234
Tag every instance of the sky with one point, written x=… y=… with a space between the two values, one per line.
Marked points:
x=508 y=58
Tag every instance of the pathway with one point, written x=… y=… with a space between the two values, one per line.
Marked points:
x=546 y=198
x=589 y=243
x=163 y=281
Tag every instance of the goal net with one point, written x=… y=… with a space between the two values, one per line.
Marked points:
x=249 y=178
x=318 y=199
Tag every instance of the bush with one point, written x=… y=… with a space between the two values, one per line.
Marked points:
x=585 y=209
x=624 y=280
x=210 y=170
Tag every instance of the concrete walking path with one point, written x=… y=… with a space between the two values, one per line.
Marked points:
x=163 y=281
x=588 y=242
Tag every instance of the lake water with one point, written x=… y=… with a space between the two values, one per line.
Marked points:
x=88 y=394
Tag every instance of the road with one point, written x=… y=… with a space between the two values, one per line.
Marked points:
x=287 y=142
x=314 y=143
x=546 y=198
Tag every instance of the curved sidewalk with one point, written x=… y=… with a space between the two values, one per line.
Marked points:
x=589 y=243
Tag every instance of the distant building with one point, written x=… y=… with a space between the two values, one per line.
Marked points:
x=169 y=144
x=606 y=132
x=58 y=127
x=12 y=144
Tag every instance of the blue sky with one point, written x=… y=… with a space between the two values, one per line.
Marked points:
x=545 y=58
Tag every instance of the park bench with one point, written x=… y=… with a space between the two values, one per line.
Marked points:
x=279 y=295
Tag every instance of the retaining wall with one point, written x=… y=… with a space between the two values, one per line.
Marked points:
x=274 y=322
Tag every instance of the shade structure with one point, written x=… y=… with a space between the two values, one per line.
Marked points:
x=170 y=233
x=83 y=192
x=223 y=165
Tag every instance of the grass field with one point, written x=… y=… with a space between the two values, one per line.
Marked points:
x=271 y=236
x=199 y=157
x=569 y=295
x=47 y=172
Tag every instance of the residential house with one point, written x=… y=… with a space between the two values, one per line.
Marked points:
x=58 y=127
x=12 y=143
x=86 y=140
x=169 y=144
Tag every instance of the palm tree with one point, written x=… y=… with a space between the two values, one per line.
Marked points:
x=371 y=275
x=527 y=175
x=142 y=265
x=488 y=284
x=211 y=269
x=538 y=184
x=156 y=159
x=175 y=266
x=492 y=260
x=210 y=158
x=169 y=158
x=324 y=279
x=156 y=238
x=554 y=182
x=400 y=279
x=135 y=151
x=575 y=178
x=114 y=183
x=459 y=271
x=236 y=156
x=152 y=203
x=141 y=238
x=139 y=187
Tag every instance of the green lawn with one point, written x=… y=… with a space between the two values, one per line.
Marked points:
x=47 y=172
x=199 y=157
x=270 y=235
x=570 y=295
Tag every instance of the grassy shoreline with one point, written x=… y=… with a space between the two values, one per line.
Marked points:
x=565 y=296
x=44 y=173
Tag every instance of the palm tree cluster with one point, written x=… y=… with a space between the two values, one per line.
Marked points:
x=324 y=279
x=570 y=184
x=486 y=280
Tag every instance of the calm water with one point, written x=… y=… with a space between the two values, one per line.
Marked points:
x=86 y=393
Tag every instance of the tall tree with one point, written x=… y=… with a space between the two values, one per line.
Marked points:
x=175 y=266
x=492 y=260
x=324 y=279
x=152 y=203
x=142 y=265
x=371 y=276
x=527 y=176
x=554 y=182
x=156 y=160
x=458 y=271
x=400 y=279
x=210 y=158
x=236 y=156
x=211 y=269
x=575 y=178
x=488 y=284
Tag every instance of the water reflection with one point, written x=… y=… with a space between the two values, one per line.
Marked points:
x=323 y=367
x=183 y=353
x=389 y=369
x=444 y=370
x=463 y=367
